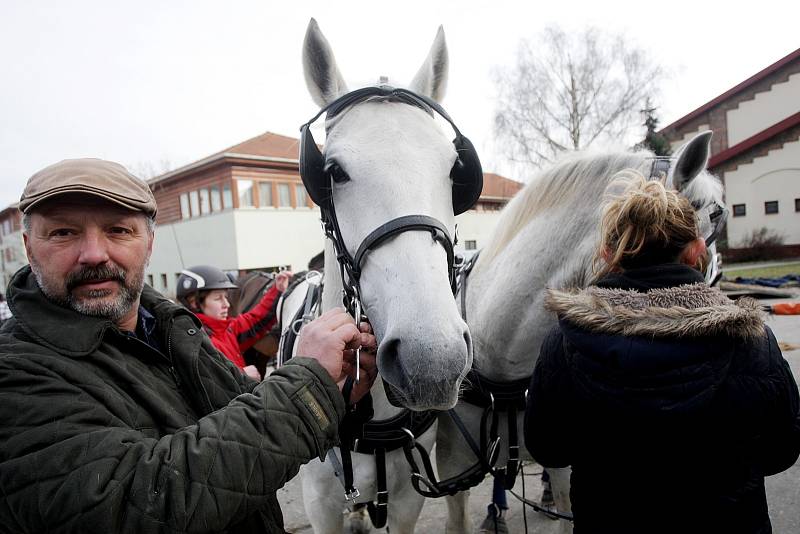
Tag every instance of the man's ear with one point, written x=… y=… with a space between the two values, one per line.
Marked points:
x=25 y=241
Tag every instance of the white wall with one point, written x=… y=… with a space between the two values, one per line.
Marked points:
x=766 y=109
x=775 y=176
x=204 y=240
x=476 y=226
x=271 y=237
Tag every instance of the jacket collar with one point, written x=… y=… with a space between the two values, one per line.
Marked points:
x=216 y=326
x=67 y=331
x=665 y=301
x=653 y=277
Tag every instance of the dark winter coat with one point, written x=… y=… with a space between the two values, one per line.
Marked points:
x=99 y=432
x=670 y=402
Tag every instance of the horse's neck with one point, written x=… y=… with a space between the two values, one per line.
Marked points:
x=332 y=298
x=505 y=297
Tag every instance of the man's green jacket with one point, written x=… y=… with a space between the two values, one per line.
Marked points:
x=100 y=432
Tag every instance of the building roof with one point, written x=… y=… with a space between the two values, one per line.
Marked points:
x=266 y=147
x=269 y=145
x=499 y=187
x=731 y=92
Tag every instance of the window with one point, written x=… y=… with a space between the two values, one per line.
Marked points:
x=205 y=202
x=770 y=207
x=470 y=244
x=284 y=196
x=227 y=197
x=163 y=280
x=150 y=280
x=194 y=202
x=245 y=188
x=265 y=194
x=300 y=195
x=185 y=214
x=216 y=200
x=739 y=210
x=797 y=204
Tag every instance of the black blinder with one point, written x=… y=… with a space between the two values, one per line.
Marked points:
x=312 y=168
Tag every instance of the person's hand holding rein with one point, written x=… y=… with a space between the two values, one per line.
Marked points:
x=332 y=340
x=367 y=363
x=282 y=280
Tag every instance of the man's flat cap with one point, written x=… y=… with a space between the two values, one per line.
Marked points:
x=90 y=176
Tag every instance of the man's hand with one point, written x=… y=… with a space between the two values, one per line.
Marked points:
x=332 y=340
x=367 y=363
x=252 y=372
x=282 y=280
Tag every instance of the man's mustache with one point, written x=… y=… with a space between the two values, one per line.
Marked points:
x=92 y=274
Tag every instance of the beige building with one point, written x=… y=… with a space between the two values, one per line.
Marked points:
x=755 y=151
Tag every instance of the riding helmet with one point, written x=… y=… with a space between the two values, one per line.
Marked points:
x=201 y=278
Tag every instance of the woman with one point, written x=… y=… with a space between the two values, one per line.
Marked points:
x=204 y=290
x=670 y=402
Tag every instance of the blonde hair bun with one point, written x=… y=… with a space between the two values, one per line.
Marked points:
x=643 y=224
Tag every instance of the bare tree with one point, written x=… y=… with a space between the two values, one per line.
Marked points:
x=149 y=169
x=570 y=91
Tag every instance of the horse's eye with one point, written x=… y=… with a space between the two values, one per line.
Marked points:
x=338 y=174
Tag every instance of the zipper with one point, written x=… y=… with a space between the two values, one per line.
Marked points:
x=172 y=370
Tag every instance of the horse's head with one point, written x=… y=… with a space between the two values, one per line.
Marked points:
x=385 y=157
x=691 y=178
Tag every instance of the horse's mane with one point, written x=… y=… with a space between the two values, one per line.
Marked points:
x=578 y=178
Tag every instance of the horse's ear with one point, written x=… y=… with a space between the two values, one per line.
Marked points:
x=323 y=79
x=431 y=79
x=692 y=159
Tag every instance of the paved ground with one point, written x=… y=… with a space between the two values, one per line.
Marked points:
x=783 y=490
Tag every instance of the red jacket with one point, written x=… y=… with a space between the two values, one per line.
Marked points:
x=235 y=335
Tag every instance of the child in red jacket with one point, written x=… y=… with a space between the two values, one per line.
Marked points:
x=204 y=290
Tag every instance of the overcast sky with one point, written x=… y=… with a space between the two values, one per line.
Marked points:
x=145 y=82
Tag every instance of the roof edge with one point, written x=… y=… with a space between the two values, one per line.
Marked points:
x=736 y=89
x=218 y=157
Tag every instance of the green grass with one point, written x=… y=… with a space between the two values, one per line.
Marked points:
x=763 y=272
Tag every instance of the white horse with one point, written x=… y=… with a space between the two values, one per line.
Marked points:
x=388 y=160
x=546 y=238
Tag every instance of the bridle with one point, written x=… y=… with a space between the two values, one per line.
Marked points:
x=717 y=216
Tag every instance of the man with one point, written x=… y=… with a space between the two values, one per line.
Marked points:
x=116 y=412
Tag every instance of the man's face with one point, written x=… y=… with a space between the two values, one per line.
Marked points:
x=89 y=255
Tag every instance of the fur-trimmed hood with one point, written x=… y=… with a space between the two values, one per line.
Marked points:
x=689 y=310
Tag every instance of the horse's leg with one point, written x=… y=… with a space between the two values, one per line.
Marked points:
x=559 y=482
x=458 y=520
x=323 y=498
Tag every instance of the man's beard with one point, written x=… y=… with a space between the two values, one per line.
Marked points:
x=93 y=302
